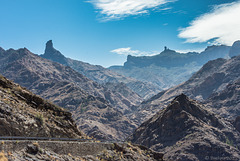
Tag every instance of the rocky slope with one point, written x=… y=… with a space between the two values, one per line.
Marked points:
x=94 y=115
x=29 y=70
x=118 y=152
x=25 y=114
x=169 y=68
x=226 y=102
x=186 y=130
x=212 y=78
x=100 y=74
x=236 y=123
x=71 y=90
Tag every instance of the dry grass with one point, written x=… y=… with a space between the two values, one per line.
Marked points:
x=3 y=157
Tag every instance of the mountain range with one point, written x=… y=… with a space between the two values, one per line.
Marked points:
x=169 y=68
x=100 y=74
x=213 y=79
x=101 y=107
x=25 y=114
x=198 y=119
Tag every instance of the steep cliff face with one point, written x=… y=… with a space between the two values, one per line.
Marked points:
x=53 y=54
x=100 y=74
x=71 y=90
x=25 y=114
x=186 y=130
x=170 y=58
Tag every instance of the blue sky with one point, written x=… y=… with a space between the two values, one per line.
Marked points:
x=103 y=32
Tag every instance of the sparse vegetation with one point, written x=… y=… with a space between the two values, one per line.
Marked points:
x=229 y=141
x=40 y=118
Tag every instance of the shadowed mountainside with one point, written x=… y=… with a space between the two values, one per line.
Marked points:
x=185 y=130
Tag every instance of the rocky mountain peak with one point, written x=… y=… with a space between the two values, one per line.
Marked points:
x=50 y=50
x=183 y=103
x=235 y=49
x=24 y=50
x=53 y=54
x=185 y=130
x=49 y=45
x=181 y=98
x=183 y=108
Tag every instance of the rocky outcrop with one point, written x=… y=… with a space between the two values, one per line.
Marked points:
x=53 y=54
x=25 y=114
x=100 y=74
x=186 y=130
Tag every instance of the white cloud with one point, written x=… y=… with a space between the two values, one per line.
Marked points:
x=115 y=9
x=221 y=25
x=129 y=51
x=198 y=50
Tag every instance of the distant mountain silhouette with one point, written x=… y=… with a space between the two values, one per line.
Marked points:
x=169 y=68
x=170 y=58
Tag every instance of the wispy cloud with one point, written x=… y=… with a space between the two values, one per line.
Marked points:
x=129 y=51
x=116 y=9
x=221 y=25
x=198 y=50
